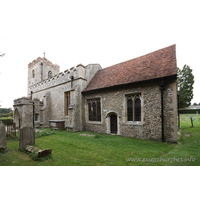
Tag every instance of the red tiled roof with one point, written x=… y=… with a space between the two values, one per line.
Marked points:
x=158 y=64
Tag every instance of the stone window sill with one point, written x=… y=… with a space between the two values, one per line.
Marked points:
x=134 y=123
x=94 y=122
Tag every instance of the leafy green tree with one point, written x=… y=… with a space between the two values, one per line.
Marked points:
x=185 y=86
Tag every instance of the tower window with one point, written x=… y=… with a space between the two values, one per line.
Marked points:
x=49 y=74
x=33 y=74
x=36 y=117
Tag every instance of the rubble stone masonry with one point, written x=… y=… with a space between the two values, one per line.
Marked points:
x=115 y=101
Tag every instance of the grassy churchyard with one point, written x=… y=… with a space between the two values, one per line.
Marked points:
x=74 y=149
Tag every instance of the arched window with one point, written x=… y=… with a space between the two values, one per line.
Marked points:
x=133 y=107
x=33 y=74
x=49 y=74
x=137 y=109
x=130 y=110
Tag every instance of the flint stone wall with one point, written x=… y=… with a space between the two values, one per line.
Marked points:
x=3 y=144
x=115 y=101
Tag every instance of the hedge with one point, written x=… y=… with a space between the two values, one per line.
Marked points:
x=189 y=111
x=6 y=120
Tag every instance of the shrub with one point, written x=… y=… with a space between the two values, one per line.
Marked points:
x=6 y=120
x=44 y=133
x=97 y=135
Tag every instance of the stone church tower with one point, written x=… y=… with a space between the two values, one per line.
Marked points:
x=39 y=70
x=53 y=97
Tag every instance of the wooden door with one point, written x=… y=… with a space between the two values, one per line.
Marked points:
x=113 y=124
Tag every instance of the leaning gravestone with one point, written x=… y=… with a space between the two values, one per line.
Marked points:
x=27 y=137
x=3 y=145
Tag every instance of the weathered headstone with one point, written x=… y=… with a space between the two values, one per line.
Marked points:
x=3 y=145
x=27 y=137
x=40 y=153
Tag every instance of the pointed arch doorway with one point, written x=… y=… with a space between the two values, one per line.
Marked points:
x=17 y=119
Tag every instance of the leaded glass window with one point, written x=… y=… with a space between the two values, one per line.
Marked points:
x=133 y=107
x=94 y=105
x=137 y=109
x=130 y=109
x=98 y=111
x=90 y=111
x=94 y=110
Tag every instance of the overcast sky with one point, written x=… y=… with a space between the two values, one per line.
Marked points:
x=104 y=32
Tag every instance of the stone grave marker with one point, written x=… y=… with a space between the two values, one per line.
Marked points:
x=3 y=144
x=27 y=137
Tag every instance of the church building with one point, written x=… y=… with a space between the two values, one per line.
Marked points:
x=136 y=98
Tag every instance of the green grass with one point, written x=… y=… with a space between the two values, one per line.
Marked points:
x=71 y=149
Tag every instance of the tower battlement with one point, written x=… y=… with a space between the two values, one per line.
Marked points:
x=78 y=72
x=44 y=60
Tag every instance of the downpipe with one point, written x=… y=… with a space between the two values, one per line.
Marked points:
x=161 y=84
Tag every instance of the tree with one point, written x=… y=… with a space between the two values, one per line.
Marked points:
x=185 y=86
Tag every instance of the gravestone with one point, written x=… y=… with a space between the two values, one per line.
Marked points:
x=40 y=153
x=3 y=145
x=27 y=137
